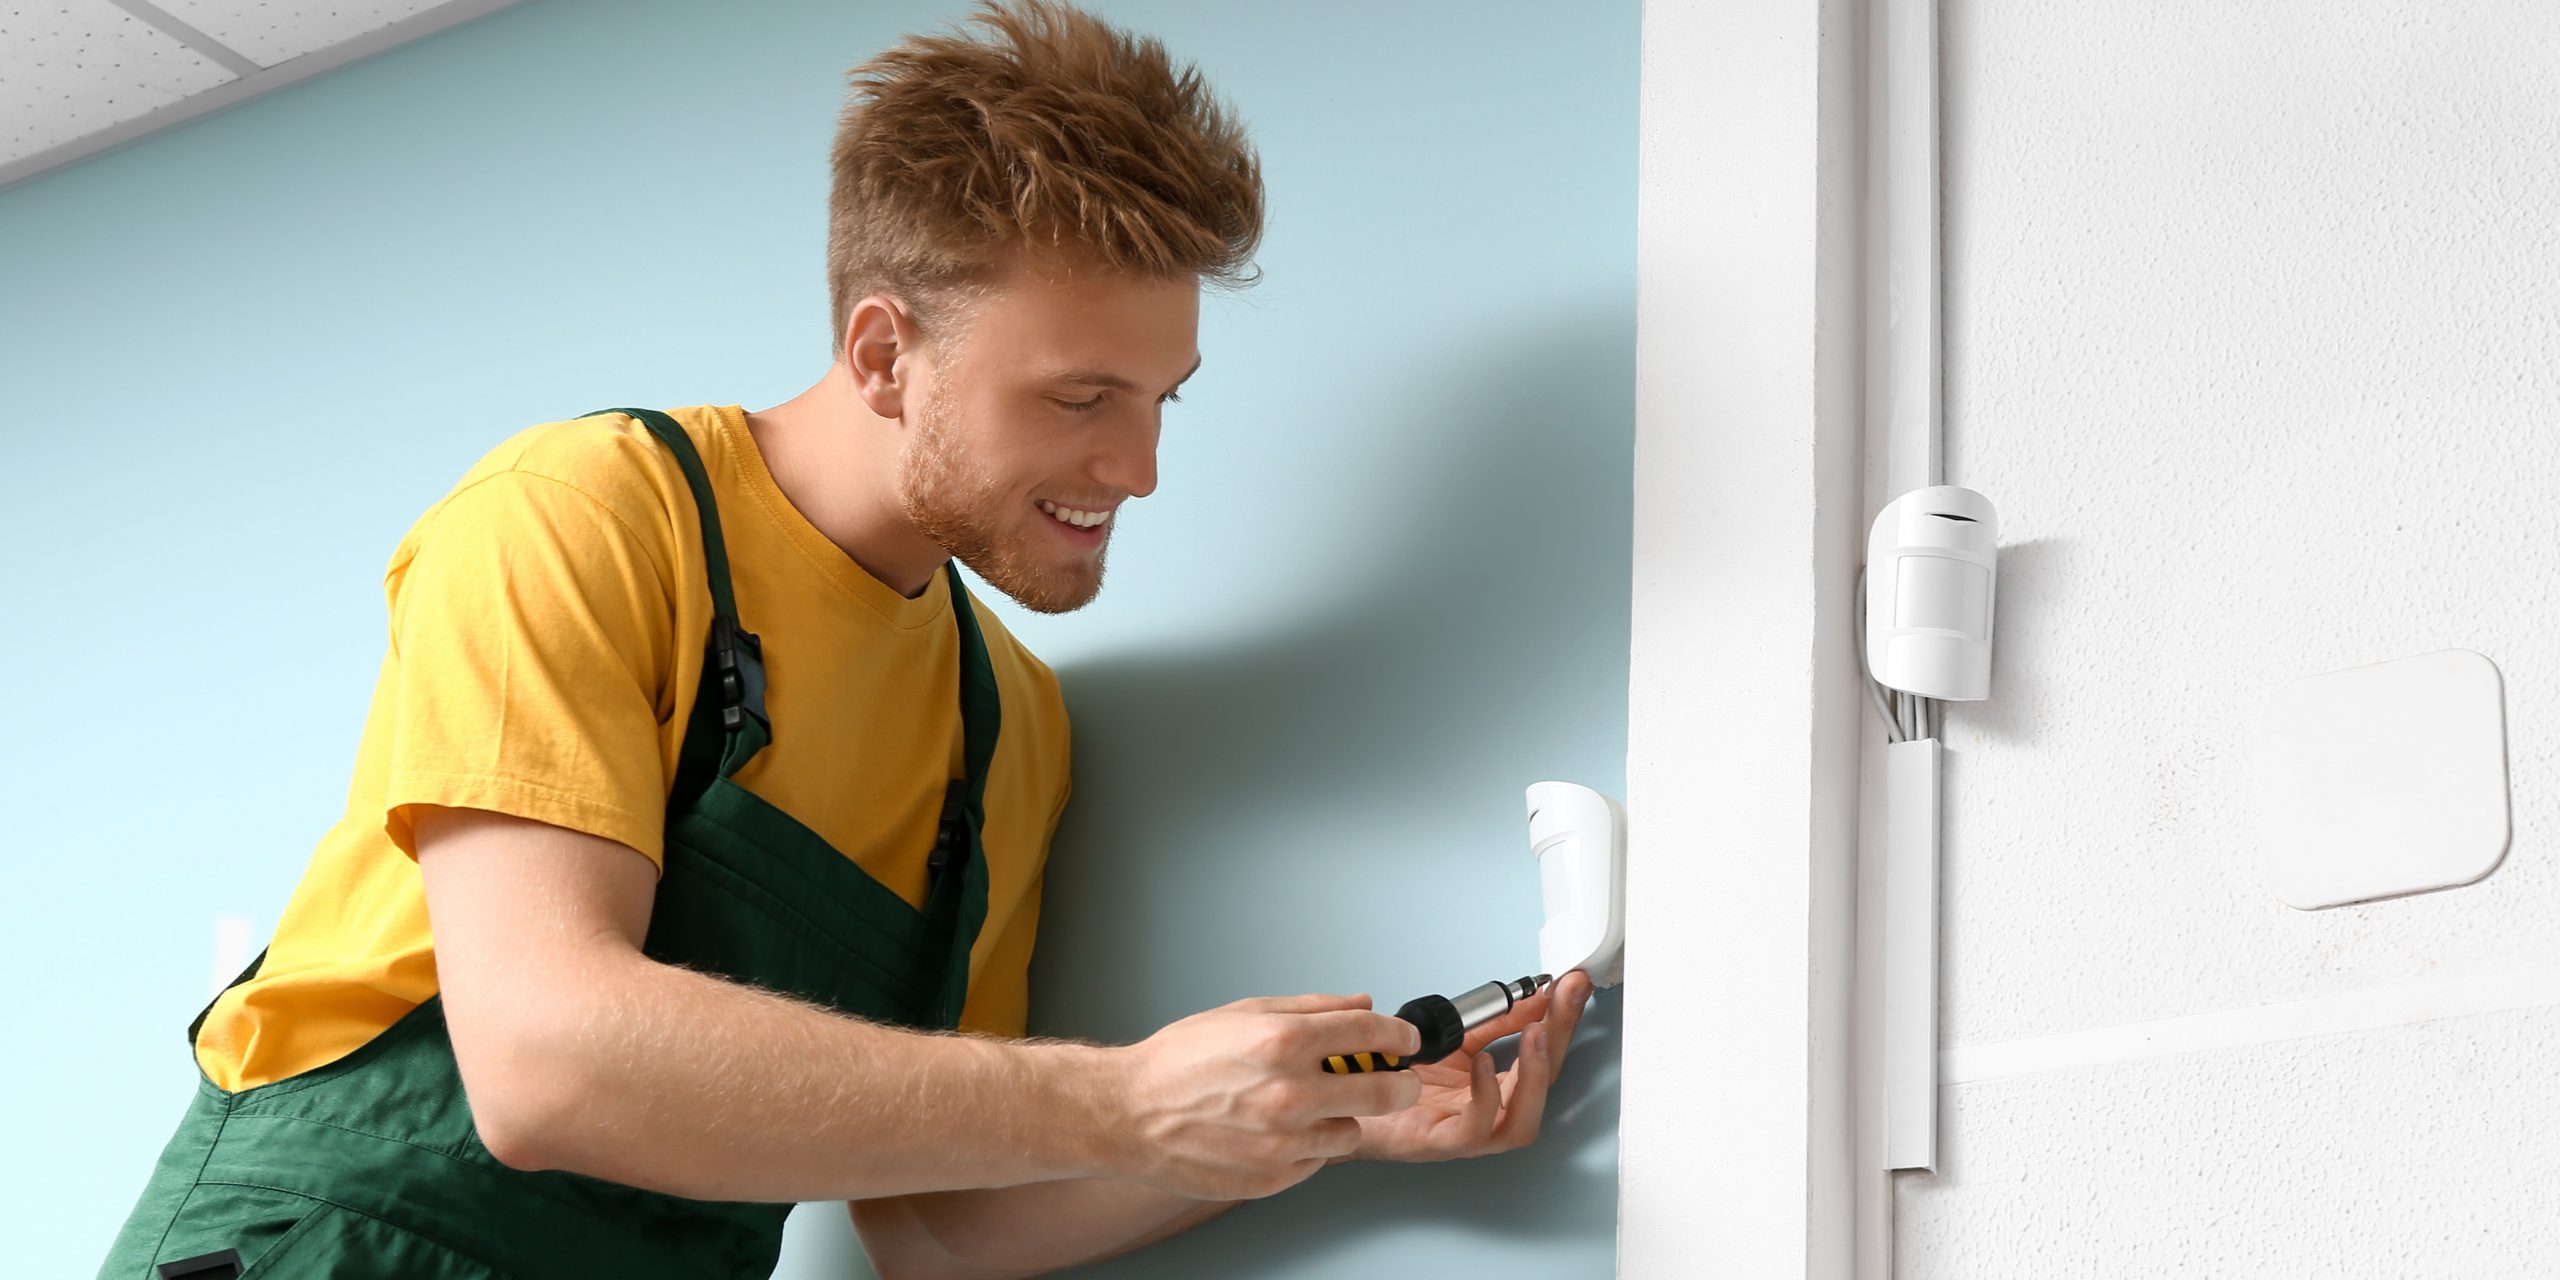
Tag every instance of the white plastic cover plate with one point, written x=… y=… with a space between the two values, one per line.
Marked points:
x=1933 y=564
x=2383 y=780
x=1579 y=838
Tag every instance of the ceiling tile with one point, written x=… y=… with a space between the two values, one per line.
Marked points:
x=272 y=31
x=74 y=67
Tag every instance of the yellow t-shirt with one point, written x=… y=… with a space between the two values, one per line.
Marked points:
x=548 y=619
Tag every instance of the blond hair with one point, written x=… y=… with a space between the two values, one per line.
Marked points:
x=1048 y=131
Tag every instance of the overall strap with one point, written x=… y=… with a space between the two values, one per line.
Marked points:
x=958 y=894
x=981 y=711
x=207 y=1011
x=735 y=668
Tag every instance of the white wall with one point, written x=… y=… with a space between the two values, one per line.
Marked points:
x=2253 y=331
x=1741 y=721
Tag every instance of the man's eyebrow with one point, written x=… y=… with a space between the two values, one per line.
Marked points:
x=1100 y=378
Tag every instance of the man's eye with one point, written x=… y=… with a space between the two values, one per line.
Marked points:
x=1077 y=406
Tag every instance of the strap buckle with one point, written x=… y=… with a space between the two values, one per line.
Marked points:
x=224 y=1265
x=737 y=658
x=946 y=833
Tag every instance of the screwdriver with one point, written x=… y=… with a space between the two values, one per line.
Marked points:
x=1444 y=1024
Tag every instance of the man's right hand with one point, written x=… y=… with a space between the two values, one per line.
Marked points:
x=1231 y=1104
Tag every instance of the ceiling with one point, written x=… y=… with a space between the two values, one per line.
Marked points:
x=78 y=77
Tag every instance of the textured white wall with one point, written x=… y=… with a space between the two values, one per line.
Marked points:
x=2253 y=331
x=2418 y=1151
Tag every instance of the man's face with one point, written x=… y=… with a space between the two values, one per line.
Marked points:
x=1041 y=420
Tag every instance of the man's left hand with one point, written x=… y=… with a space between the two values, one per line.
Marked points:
x=1469 y=1109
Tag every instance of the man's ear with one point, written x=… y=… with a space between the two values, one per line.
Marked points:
x=880 y=341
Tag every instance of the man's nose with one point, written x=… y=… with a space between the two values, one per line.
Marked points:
x=1129 y=465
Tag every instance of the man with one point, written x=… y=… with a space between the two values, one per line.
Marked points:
x=728 y=807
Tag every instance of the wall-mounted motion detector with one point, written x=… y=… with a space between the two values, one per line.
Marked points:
x=1579 y=838
x=1931 y=575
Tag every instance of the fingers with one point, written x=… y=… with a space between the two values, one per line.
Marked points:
x=1572 y=990
x=1518 y=1016
x=1484 y=1100
x=1565 y=1013
x=1374 y=1094
x=1542 y=1050
x=1525 y=1102
x=1299 y=1004
x=1335 y=1138
x=1355 y=1031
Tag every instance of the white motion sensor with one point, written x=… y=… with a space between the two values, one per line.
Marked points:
x=1579 y=838
x=1931 y=574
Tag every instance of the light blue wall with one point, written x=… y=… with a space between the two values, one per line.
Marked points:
x=1383 y=585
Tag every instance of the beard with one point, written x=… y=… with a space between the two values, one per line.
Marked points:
x=961 y=505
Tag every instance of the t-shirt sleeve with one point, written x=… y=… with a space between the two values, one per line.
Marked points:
x=532 y=637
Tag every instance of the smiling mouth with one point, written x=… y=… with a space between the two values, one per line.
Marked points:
x=1074 y=518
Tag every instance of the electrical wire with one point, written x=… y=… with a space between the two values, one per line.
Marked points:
x=1907 y=716
x=1875 y=688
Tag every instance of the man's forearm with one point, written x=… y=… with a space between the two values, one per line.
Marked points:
x=679 y=1082
x=1007 y=1232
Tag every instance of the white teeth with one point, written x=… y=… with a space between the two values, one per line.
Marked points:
x=1069 y=515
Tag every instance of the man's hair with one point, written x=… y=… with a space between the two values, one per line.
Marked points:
x=1048 y=131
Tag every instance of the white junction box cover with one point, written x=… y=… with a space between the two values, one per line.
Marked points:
x=2383 y=780
x=1579 y=838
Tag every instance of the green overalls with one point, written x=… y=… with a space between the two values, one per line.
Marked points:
x=369 y=1166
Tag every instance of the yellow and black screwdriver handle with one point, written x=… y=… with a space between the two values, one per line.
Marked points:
x=1444 y=1024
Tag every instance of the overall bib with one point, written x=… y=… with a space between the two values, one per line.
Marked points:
x=369 y=1166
